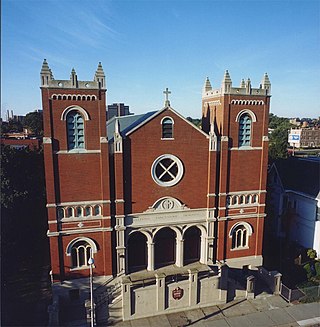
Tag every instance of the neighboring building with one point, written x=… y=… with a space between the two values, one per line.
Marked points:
x=295 y=121
x=22 y=143
x=294 y=201
x=304 y=137
x=117 y=110
x=163 y=207
x=11 y=116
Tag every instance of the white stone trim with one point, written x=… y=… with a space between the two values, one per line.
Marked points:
x=224 y=138
x=91 y=242
x=77 y=231
x=76 y=108
x=103 y=139
x=246 y=148
x=47 y=140
x=248 y=102
x=246 y=111
x=265 y=138
x=177 y=178
x=245 y=224
x=167 y=117
x=61 y=204
x=77 y=151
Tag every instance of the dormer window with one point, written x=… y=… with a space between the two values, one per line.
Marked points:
x=167 y=128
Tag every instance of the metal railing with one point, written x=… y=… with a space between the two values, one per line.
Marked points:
x=306 y=294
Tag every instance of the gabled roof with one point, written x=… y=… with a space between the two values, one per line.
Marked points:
x=128 y=124
x=156 y=113
x=300 y=174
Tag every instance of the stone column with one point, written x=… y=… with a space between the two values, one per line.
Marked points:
x=150 y=247
x=277 y=283
x=126 y=298
x=250 y=287
x=203 y=250
x=161 y=291
x=193 y=287
x=179 y=252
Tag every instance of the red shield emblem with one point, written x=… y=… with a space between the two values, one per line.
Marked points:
x=177 y=293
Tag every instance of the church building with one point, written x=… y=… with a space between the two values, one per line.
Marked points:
x=163 y=207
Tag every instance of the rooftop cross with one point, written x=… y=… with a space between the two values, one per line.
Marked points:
x=167 y=102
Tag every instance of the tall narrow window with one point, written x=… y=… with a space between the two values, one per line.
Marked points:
x=240 y=237
x=245 y=130
x=167 y=128
x=75 y=130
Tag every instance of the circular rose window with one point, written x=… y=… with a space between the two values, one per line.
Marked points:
x=167 y=170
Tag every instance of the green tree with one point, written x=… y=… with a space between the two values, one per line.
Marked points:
x=278 y=143
x=34 y=122
x=195 y=121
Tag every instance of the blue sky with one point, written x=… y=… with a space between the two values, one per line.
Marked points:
x=146 y=46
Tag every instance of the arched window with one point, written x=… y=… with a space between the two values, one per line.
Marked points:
x=97 y=210
x=88 y=211
x=240 y=233
x=245 y=130
x=167 y=128
x=70 y=212
x=78 y=212
x=75 y=130
x=81 y=252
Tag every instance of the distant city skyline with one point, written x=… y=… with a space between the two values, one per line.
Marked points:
x=146 y=46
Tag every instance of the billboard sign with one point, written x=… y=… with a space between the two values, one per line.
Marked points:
x=294 y=138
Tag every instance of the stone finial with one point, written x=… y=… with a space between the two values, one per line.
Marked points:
x=117 y=127
x=248 y=86
x=243 y=83
x=226 y=82
x=226 y=77
x=99 y=76
x=45 y=74
x=74 y=78
x=207 y=85
x=265 y=83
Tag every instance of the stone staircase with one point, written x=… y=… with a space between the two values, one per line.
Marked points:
x=108 y=301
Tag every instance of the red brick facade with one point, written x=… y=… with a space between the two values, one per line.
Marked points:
x=105 y=191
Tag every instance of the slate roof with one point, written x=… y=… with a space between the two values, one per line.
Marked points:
x=300 y=174
x=127 y=123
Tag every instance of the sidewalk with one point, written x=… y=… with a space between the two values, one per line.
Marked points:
x=260 y=312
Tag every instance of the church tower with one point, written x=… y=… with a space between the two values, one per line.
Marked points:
x=77 y=173
x=240 y=117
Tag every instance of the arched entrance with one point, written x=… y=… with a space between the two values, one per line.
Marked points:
x=165 y=247
x=191 y=245
x=137 y=252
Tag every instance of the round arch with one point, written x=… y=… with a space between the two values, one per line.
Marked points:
x=137 y=251
x=91 y=242
x=165 y=241
x=241 y=223
x=246 y=111
x=77 y=108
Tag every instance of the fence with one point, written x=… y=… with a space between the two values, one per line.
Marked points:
x=306 y=294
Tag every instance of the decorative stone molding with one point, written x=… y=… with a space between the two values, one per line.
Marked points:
x=103 y=139
x=47 y=140
x=265 y=138
x=248 y=102
x=167 y=204
x=224 y=138
x=73 y=97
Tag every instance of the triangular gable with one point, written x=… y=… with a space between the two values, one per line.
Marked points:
x=158 y=113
